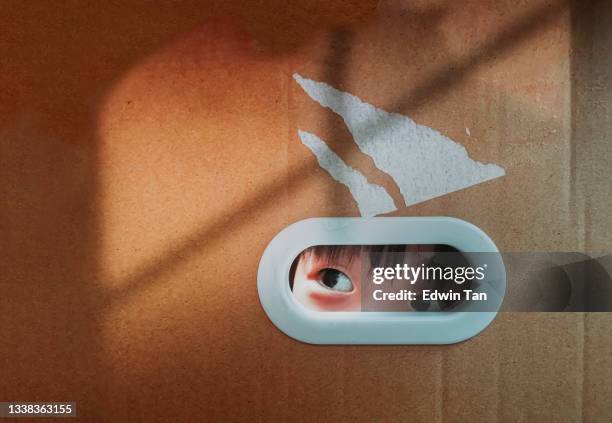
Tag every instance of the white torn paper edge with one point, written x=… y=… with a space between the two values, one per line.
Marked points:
x=371 y=199
x=424 y=163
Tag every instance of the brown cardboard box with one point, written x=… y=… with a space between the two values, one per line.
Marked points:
x=149 y=152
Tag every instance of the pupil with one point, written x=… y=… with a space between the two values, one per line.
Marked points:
x=330 y=277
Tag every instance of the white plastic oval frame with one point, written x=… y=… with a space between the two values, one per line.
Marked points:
x=318 y=327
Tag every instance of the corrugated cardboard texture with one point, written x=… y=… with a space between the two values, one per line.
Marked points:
x=149 y=152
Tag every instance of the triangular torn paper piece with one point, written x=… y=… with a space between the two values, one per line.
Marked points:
x=371 y=199
x=424 y=163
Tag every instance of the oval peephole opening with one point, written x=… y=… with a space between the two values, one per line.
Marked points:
x=384 y=278
x=381 y=280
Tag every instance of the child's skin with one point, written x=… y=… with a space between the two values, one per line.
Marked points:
x=324 y=283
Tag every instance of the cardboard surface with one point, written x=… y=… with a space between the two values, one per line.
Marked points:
x=149 y=154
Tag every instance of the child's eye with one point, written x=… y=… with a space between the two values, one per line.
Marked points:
x=336 y=280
